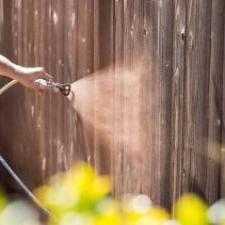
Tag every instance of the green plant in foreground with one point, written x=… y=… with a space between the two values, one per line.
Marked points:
x=82 y=197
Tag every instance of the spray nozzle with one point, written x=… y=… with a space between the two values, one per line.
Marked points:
x=56 y=87
x=64 y=88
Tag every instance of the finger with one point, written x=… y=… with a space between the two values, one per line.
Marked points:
x=40 y=87
x=43 y=75
x=40 y=91
x=36 y=70
x=46 y=75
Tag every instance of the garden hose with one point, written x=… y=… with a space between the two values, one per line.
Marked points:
x=7 y=86
x=64 y=89
x=10 y=170
x=22 y=185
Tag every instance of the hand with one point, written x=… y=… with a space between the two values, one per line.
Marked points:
x=29 y=75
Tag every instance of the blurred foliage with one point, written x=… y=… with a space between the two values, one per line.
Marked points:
x=191 y=210
x=82 y=197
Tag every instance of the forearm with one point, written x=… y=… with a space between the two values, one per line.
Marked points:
x=13 y=71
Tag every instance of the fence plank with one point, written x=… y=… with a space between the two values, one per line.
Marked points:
x=178 y=94
x=215 y=100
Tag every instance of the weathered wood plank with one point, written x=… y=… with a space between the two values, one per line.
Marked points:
x=197 y=96
x=214 y=179
x=178 y=95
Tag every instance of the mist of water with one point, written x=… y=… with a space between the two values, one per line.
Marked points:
x=109 y=104
x=115 y=107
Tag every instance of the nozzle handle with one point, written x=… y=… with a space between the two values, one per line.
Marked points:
x=42 y=84
x=56 y=87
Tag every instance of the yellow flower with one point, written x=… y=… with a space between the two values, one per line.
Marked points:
x=158 y=213
x=79 y=190
x=3 y=200
x=155 y=216
x=55 y=198
x=110 y=218
x=83 y=181
x=191 y=210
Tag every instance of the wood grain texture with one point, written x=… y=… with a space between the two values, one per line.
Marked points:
x=162 y=130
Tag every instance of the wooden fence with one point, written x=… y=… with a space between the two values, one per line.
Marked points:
x=180 y=106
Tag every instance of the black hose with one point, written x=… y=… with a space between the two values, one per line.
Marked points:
x=22 y=185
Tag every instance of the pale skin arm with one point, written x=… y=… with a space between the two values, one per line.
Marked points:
x=24 y=75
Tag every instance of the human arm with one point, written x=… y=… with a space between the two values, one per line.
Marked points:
x=25 y=75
